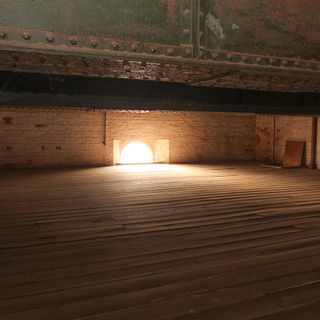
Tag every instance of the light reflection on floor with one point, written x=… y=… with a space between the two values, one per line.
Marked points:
x=153 y=168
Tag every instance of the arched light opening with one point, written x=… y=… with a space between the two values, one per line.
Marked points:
x=135 y=153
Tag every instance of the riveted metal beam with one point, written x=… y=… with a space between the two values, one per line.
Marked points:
x=195 y=34
x=190 y=71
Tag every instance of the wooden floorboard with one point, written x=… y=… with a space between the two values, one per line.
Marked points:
x=189 y=242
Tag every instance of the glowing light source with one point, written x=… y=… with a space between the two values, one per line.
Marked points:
x=136 y=152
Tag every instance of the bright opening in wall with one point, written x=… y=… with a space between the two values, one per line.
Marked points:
x=135 y=153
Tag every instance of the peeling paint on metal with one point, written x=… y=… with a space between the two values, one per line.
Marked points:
x=215 y=26
x=235 y=27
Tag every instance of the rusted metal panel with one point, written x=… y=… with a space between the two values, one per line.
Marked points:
x=143 y=20
x=260 y=45
x=158 y=27
x=286 y=28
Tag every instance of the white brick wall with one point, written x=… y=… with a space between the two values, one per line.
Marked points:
x=48 y=138
x=193 y=136
x=44 y=138
x=294 y=128
x=265 y=138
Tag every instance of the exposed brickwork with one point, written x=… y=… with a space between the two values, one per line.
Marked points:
x=265 y=138
x=47 y=138
x=193 y=136
x=296 y=128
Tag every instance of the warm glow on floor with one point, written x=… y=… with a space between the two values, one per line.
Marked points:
x=136 y=152
x=152 y=168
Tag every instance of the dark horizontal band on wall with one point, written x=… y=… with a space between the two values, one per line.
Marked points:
x=60 y=101
x=56 y=91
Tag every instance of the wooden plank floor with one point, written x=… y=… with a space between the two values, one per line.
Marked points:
x=227 y=241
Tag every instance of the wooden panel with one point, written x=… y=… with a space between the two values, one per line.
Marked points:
x=160 y=242
x=293 y=154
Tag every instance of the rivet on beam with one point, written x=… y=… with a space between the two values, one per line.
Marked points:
x=26 y=36
x=170 y=51
x=74 y=42
x=186 y=32
x=50 y=39
x=94 y=43
x=153 y=50
x=134 y=47
x=215 y=56
x=115 y=46
x=3 y=35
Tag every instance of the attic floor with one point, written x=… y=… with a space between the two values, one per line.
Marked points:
x=189 y=242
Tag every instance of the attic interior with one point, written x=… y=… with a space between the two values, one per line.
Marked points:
x=159 y=160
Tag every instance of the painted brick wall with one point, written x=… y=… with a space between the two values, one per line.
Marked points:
x=296 y=128
x=265 y=138
x=194 y=136
x=47 y=138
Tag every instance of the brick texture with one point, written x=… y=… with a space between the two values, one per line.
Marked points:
x=265 y=138
x=57 y=138
x=194 y=136
x=47 y=138
x=294 y=128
